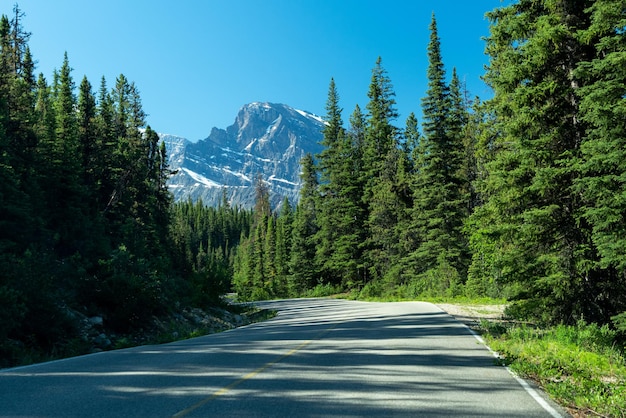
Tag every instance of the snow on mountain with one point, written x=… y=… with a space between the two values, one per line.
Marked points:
x=265 y=138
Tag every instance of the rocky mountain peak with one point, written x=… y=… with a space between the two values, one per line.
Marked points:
x=265 y=138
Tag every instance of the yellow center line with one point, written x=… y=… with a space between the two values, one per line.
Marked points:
x=249 y=376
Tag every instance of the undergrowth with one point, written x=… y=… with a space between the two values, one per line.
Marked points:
x=582 y=367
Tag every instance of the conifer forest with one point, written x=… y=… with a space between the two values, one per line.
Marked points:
x=521 y=196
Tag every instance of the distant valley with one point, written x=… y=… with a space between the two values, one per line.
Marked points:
x=265 y=138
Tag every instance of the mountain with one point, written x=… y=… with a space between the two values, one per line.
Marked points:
x=265 y=138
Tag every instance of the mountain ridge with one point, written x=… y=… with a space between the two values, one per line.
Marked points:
x=266 y=138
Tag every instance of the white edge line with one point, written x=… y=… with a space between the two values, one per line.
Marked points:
x=532 y=392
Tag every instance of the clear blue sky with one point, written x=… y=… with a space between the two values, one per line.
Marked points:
x=196 y=62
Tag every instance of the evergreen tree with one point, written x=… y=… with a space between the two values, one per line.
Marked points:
x=67 y=196
x=305 y=272
x=87 y=134
x=439 y=209
x=387 y=215
x=269 y=251
x=530 y=224
x=284 y=226
x=104 y=164
x=456 y=180
x=379 y=154
x=16 y=218
x=480 y=151
x=602 y=80
x=18 y=39
x=340 y=199
x=409 y=231
x=255 y=269
x=262 y=208
x=17 y=86
x=380 y=134
x=204 y=243
x=357 y=205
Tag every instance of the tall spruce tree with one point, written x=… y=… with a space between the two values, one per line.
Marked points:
x=529 y=228
x=438 y=213
x=379 y=152
x=354 y=192
x=380 y=133
x=284 y=226
x=104 y=164
x=67 y=195
x=17 y=219
x=255 y=269
x=602 y=100
x=87 y=134
x=339 y=203
x=304 y=270
x=329 y=165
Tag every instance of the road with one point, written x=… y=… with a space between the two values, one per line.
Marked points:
x=316 y=358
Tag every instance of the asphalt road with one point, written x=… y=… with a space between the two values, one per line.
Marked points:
x=317 y=358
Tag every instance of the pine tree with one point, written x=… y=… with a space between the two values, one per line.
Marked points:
x=67 y=195
x=409 y=231
x=262 y=208
x=456 y=182
x=354 y=192
x=439 y=208
x=16 y=218
x=284 y=226
x=529 y=228
x=602 y=80
x=271 y=282
x=17 y=87
x=304 y=271
x=104 y=165
x=379 y=156
x=339 y=200
x=380 y=134
x=87 y=137
x=86 y=122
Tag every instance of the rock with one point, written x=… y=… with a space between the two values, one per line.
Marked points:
x=96 y=321
x=102 y=341
x=266 y=138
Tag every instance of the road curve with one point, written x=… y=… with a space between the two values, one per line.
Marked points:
x=317 y=358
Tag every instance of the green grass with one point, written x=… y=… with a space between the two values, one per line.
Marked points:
x=581 y=367
x=457 y=300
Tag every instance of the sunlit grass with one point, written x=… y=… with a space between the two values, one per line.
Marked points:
x=580 y=366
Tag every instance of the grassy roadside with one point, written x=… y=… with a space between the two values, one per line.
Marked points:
x=582 y=367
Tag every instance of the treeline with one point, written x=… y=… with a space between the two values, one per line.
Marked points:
x=206 y=242
x=521 y=196
x=87 y=224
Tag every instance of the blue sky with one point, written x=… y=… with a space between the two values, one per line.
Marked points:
x=196 y=62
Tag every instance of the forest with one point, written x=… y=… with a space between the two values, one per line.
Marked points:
x=519 y=197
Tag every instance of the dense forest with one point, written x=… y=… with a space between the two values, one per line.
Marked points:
x=521 y=196
x=518 y=197
x=87 y=224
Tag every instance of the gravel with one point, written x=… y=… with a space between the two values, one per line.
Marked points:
x=471 y=315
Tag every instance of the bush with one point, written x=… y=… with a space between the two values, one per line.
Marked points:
x=323 y=290
x=620 y=322
x=259 y=293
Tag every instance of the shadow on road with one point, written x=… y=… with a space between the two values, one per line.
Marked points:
x=317 y=358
